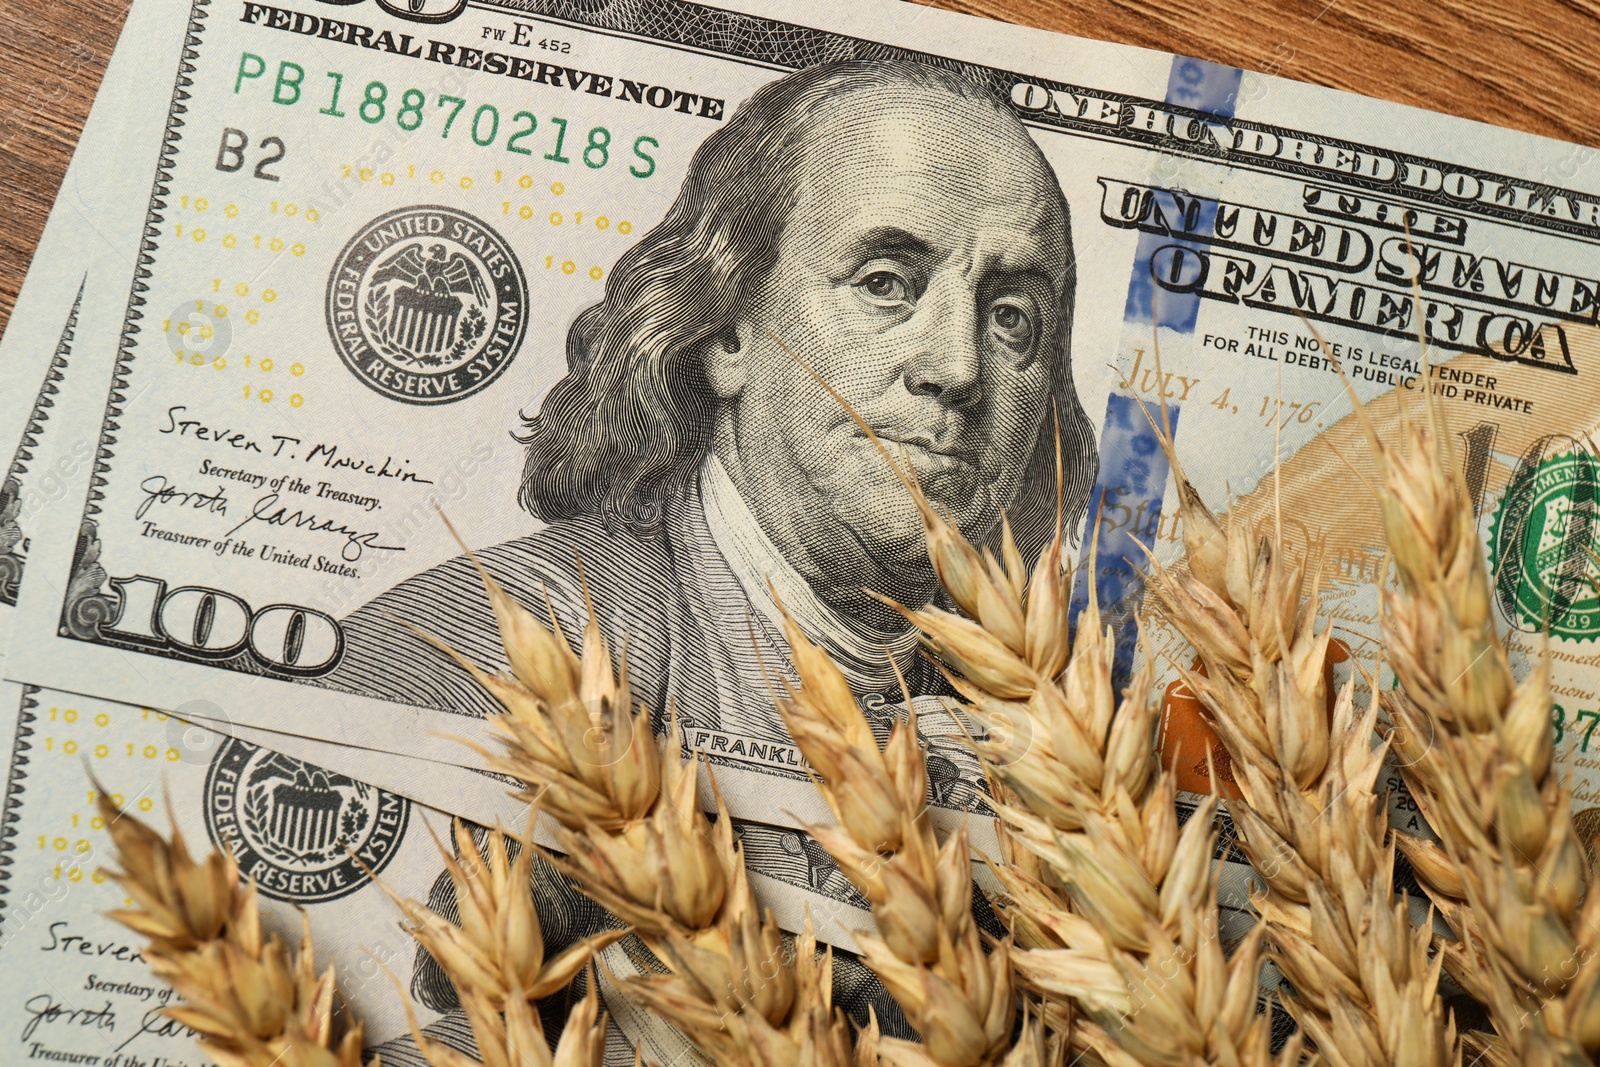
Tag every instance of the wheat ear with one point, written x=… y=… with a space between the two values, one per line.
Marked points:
x=927 y=949
x=1477 y=750
x=1312 y=822
x=253 y=1001
x=1119 y=919
x=494 y=956
x=637 y=842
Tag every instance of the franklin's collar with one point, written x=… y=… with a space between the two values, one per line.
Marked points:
x=859 y=651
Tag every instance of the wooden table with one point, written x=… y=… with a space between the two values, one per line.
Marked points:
x=1529 y=64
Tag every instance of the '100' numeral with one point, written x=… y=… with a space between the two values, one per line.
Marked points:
x=211 y=624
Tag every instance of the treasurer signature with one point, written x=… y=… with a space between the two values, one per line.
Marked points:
x=267 y=510
x=158 y=490
x=44 y=1009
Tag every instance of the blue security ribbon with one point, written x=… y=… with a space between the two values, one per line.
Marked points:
x=1132 y=480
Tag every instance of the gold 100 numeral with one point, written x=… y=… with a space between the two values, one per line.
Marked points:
x=145 y=803
x=60 y=844
x=69 y=747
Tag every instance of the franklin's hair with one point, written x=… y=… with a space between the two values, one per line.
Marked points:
x=631 y=421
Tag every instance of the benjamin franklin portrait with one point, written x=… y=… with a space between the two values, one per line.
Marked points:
x=893 y=226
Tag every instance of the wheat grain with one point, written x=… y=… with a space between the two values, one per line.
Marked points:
x=494 y=956
x=927 y=949
x=1116 y=912
x=1311 y=822
x=1477 y=748
x=253 y=1001
x=636 y=841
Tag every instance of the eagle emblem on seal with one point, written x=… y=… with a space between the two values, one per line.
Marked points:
x=302 y=833
x=427 y=304
x=426 y=313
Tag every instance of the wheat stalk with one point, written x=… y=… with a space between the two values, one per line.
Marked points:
x=1477 y=750
x=927 y=949
x=1312 y=822
x=1118 y=916
x=637 y=842
x=495 y=959
x=253 y=1001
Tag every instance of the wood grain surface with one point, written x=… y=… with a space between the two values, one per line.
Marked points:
x=1529 y=64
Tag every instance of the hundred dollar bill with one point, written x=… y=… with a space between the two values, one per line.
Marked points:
x=314 y=647
x=293 y=826
x=94 y=229
x=563 y=272
x=790 y=872
x=77 y=983
x=792 y=875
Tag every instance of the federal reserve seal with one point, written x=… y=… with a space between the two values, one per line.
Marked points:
x=427 y=305
x=1543 y=540
x=293 y=827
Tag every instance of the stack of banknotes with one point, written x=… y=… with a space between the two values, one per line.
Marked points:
x=326 y=272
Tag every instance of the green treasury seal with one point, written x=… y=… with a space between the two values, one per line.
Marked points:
x=1542 y=541
x=427 y=305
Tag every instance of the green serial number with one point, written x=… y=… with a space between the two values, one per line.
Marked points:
x=411 y=111
x=1584 y=720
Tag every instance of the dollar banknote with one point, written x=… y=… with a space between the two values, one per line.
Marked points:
x=95 y=228
x=312 y=839
x=791 y=873
x=78 y=984
x=562 y=271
